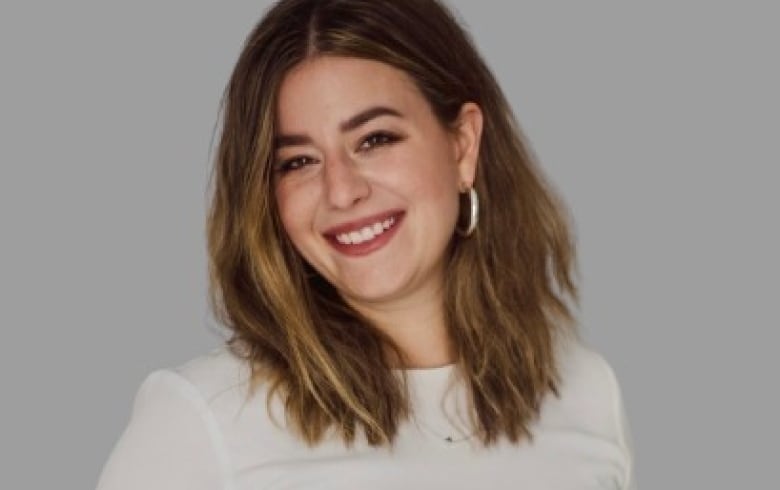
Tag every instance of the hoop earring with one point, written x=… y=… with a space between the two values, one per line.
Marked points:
x=473 y=214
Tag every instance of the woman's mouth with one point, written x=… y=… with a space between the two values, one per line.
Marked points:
x=365 y=236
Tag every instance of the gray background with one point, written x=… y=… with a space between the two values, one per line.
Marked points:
x=658 y=122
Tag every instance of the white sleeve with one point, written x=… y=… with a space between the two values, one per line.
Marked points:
x=624 y=435
x=172 y=441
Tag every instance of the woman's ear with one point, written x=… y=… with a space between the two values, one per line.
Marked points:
x=467 y=130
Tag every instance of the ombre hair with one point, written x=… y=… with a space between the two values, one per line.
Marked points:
x=510 y=284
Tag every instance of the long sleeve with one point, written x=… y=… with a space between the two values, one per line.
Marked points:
x=629 y=448
x=624 y=434
x=172 y=441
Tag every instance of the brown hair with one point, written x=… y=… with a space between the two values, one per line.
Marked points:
x=505 y=300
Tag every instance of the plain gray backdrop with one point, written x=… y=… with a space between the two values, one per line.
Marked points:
x=657 y=121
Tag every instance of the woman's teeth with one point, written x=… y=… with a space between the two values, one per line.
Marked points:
x=366 y=233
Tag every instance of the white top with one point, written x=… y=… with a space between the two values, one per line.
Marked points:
x=191 y=428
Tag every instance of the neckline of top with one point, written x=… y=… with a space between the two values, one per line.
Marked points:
x=427 y=375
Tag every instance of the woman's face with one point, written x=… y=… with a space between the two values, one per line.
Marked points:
x=367 y=179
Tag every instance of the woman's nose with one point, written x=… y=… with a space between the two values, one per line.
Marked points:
x=344 y=184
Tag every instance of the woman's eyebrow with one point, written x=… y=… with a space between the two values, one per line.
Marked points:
x=364 y=116
x=350 y=124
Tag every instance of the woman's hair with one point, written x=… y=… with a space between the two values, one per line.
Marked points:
x=507 y=285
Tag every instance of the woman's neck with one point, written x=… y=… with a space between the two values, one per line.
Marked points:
x=418 y=328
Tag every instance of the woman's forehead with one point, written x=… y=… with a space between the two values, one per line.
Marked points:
x=333 y=89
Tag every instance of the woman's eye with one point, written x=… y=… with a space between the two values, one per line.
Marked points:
x=293 y=164
x=378 y=139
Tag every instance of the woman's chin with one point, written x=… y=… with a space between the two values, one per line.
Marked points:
x=372 y=294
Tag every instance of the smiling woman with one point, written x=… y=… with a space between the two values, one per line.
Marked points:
x=395 y=271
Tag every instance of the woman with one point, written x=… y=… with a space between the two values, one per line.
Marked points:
x=395 y=273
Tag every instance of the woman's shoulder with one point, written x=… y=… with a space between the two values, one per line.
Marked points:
x=584 y=368
x=214 y=373
x=590 y=398
x=590 y=404
x=177 y=418
x=211 y=385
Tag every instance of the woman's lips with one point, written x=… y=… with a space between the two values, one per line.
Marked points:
x=361 y=237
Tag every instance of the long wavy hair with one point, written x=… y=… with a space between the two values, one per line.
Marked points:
x=510 y=286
